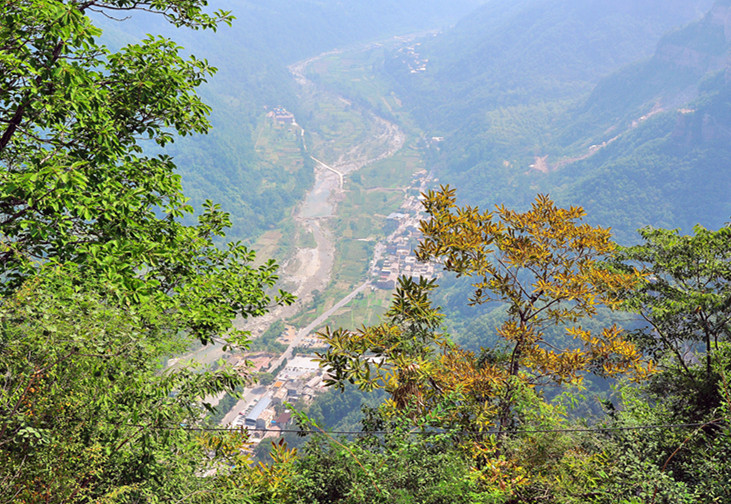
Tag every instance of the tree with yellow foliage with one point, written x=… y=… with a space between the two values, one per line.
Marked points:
x=543 y=264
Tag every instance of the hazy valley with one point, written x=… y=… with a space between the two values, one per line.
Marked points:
x=334 y=127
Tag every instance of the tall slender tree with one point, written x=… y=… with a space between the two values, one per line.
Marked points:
x=544 y=265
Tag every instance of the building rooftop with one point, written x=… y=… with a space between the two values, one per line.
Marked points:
x=259 y=408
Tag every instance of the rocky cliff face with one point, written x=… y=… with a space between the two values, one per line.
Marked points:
x=701 y=128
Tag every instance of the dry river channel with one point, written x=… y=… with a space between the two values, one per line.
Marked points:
x=311 y=268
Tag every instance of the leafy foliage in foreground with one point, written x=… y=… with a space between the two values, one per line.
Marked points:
x=101 y=282
x=76 y=185
x=88 y=412
x=662 y=441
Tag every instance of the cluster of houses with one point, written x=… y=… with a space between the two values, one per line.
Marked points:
x=398 y=260
x=412 y=59
x=394 y=257
x=266 y=414
x=281 y=116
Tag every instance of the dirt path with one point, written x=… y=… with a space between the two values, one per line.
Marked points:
x=310 y=269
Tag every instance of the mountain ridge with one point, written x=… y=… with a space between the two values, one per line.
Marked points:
x=591 y=132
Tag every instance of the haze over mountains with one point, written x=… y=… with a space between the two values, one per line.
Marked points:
x=252 y=57
x=509 y=52
x=670 y=167
x=619 y=106
x=547 y=83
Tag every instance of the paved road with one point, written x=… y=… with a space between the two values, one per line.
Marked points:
x=304 y=332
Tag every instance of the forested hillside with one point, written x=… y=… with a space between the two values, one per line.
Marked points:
x=525 y=95
x=252 y=57
x=538 y=50
x=663 y=129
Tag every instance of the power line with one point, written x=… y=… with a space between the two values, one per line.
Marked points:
x=434 y=433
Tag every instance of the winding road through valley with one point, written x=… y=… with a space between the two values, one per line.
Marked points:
x=310 y=269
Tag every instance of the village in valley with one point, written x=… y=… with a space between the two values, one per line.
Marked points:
x=412 y=59
x=265 y=414
x=294 y=376
x=394 y=256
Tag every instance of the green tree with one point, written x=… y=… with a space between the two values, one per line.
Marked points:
x=76 y=185
x=394 y=469
x=685 y=297
x=101 y=280
x=86 y=411
x=685 y=301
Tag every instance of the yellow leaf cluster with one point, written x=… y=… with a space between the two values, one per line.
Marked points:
x=544 y=264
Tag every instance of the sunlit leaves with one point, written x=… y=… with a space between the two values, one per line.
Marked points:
x=399 y=355
x=544 y=264
x=76 y=185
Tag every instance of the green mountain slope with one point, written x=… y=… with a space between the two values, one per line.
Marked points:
x=252 y=56
x=665 y=125
x=541 y=100
x=671 y=78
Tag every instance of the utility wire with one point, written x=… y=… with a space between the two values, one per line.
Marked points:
x=434 y=433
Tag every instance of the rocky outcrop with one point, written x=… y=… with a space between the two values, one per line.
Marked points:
x=708 y=126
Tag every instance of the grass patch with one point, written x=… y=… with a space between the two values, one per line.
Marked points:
x=282 y=242
x=267 y=245
x=393 y=172
x=333 y=126
x=353 y=271
x=305 y=239
x=352 y=75
x=366 y=309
